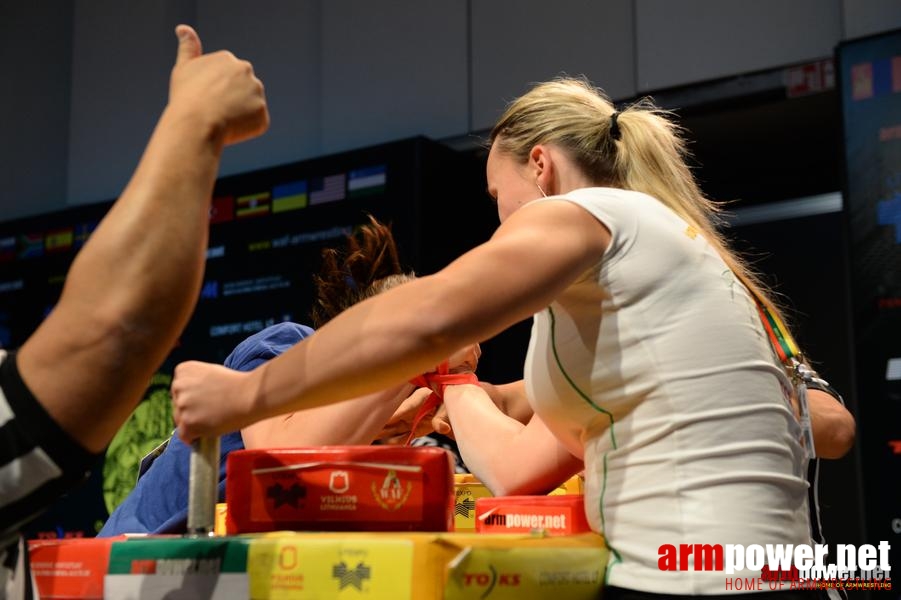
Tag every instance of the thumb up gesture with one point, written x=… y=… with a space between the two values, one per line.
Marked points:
x=218 y=89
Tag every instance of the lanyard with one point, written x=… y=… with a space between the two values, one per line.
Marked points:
x=782 y=341
x=790 y=356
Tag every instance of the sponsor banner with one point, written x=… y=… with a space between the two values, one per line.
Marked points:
x=515 y=573
x=337 y=488
x=11 y=286
x=215 y=251
x=298 y=239
x=69 y=568
x=288 y=568
x=156 y=569
x=555 y=515
x=255 y=286
x=468 y=489
x=283 y=565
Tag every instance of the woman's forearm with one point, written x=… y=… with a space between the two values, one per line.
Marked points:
x=352 y=422
x=490 y=443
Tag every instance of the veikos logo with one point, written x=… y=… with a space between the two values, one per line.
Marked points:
x=784 y=565
x=286 y=495
x=486 y=581
x=351 y=577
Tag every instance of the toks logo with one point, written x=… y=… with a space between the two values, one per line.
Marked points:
x=464 y=508
x=489 y=580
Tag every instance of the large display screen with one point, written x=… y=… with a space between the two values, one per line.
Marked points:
x=870 y=76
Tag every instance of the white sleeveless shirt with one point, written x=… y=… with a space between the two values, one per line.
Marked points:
x=655 y=368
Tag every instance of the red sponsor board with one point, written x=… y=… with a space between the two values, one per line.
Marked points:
x=340 y=488
x=557 y=515
x=70 y=568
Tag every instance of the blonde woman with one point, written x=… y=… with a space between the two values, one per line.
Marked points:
x=648 y=362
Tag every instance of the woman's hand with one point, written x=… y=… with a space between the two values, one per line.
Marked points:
x=398 y=428
x=464 y=360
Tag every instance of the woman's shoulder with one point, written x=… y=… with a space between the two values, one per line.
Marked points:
x=610 y=194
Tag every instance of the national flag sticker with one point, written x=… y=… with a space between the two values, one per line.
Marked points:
x=367 y=181
x=327 y=189
x=252 y=205
x=289 y=196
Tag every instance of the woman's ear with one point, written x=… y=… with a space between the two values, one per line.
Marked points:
x=541 y=166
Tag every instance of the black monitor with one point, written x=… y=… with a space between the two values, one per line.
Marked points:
x=870 y=77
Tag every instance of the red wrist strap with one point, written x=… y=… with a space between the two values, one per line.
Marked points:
x=440 y=379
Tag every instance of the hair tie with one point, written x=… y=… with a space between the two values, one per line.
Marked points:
x=615 y=133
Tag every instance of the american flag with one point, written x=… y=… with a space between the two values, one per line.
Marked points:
x=327 y=189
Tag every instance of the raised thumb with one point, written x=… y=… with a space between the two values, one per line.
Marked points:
x=188 y=44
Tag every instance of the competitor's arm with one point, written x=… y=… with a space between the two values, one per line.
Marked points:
x=490 y=441
x=510 y=398
x=833 y=425
x=407 y=330
x=352 y=422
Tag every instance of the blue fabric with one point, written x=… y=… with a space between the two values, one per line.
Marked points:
x=159 y=502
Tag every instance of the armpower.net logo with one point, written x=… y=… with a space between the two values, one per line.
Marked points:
x=784 y=566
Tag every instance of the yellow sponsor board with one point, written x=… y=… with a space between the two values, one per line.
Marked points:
x=424 y=566
x=291 y=567
x=466 y=490
x=573 y=485
x=526 y=572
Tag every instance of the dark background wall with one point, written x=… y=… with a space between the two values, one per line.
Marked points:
x=752 y=83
